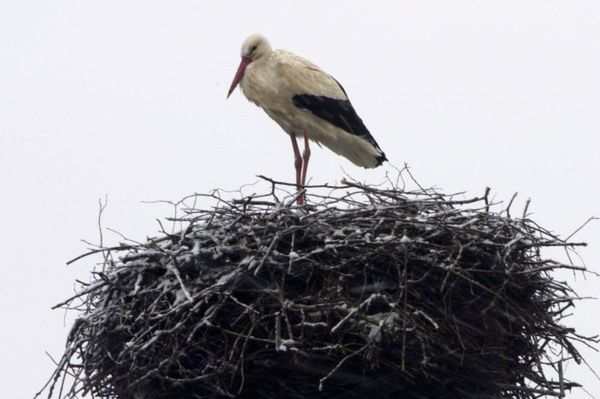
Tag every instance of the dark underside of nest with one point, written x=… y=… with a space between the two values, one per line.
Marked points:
x=363 y=293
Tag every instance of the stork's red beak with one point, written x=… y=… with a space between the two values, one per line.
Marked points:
x=239 y=74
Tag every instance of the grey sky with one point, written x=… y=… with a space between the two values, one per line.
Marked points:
x=127 y=98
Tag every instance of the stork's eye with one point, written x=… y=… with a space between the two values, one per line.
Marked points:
x=253 y=48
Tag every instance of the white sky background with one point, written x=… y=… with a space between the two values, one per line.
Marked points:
x=127 y=98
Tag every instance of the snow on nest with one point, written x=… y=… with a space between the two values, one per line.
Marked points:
x=366 y=292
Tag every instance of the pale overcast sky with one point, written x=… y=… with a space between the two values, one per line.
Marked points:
x=127 y=98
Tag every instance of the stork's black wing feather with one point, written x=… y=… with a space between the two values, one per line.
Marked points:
x=339 y=113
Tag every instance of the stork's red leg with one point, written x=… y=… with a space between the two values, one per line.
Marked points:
x=298 y=166
x=305 y=157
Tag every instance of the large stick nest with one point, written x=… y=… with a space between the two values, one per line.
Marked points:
x=363 y=292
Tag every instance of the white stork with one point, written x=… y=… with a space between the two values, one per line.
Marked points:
x=306 y=101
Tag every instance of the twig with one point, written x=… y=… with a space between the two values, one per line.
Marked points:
x=340 y=364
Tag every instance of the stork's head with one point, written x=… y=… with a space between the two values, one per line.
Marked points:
x=254 y=47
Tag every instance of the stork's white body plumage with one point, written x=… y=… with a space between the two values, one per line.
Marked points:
x=272 y=82
x=305 y=101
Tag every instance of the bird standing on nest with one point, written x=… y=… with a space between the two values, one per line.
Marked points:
x=305 y=101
